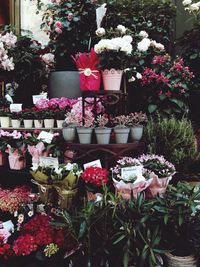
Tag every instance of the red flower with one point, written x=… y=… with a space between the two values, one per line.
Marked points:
x=96 y=176
x=24 y=245
x=168 y=94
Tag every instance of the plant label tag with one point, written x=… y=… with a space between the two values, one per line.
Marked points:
x=8 y=226
x=45 y=136
x=36 y=98
x=49 y=162
x=15 y=107
x=129 y=173
x=95 y=163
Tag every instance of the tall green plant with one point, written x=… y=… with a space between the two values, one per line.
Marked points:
x=174 y=139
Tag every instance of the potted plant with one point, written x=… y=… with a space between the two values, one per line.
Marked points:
x=101 y=131
x=38 y=118
x=59 y=115
x=121 y=129
x=136 y=121
x=128 y=178
x=28 y=116
x=16 y=118
x=3 y=146
x=5 y=117
x=49 y=118
x=69 y=127
x=85 y=128
x=114 y=54
x=161 y=172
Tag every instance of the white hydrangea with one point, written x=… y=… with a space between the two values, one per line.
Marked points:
x=121 y=29
x=187 y=2
x=100 y=32
x=158 y=46
x=48 y=58
x=128 y=38
x=144 y=45
x=9 y=39
x=143 y=34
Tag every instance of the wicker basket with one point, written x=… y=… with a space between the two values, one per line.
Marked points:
x=177 y=261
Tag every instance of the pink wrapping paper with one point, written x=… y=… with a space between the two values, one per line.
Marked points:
x=17 y=162
x=158 y=186
x=36 y=152
x=87 y=64
x=128 y=189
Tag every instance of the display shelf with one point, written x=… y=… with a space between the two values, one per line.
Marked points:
x=108 y=154
x=31 y=129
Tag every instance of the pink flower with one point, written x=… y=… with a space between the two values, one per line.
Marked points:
x=42 y=104
x=58 y=24
x=58 y=30
x=50 y=20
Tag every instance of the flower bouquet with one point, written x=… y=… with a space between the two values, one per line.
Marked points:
x=36 y=152
x=128 y=177
x=87 y=64
x=3 y=146
x=161 y=172
x=94 y=178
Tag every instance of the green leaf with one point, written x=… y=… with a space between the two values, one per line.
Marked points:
x=162 y=97
x=152 y=108
x=179 y=103
x=82 y=229
x=120 y=238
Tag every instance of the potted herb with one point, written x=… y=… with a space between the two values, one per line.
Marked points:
x=121 y=129
x=101 y=131
x=16 y=118
x=161 y=172
x=136 y=121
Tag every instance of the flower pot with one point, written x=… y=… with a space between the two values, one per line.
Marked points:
x=5 y=122
x=177 y=261
x=84 y=135
x=136 y=133
x=38 y=124
x=2 y=158
x=15 y=123
x=69 y=134
x=112 y=79
x=158 y=186
x=17 y=162
x=28 y=124
x=103 y=135
x=59 y=123
x=121 y=135
x=48 y=123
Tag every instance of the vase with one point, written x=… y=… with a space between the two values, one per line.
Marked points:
x=103 y=135
x=177 y=261
x=48 y=123
x=84 y=135
x=15 y=123
x=59 y=123
x=28 y=124
x=5 y=122
x=112 y=79
x=17 y=162
x=38 y=124
x=136 y=133
x=121 y=135
x=69 y=134
x=2 y=158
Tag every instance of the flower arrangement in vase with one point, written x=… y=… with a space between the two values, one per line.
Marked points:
x=121 y=129
x=128 y=177
x=136 y=122
x=160 y=170
x=102 y=132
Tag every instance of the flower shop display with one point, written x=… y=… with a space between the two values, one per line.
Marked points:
x=102 y=132
x=121 y=129
x=161 y=172
x=128 y=177
x=136 y=121
x=87 y=65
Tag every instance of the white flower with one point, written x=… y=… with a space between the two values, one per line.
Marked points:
x=138 y=75
x=127 y=48
x=143 y=46
x=143 y=34
x=69 y=167
x=48 y=58
x=194 y=7
x=132 y=79
x=100 y=32
x=128 y=38
x=122 y=29
x=158 y=46
x=187 y=2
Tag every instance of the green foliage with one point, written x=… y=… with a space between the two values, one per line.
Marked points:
x=174 y=139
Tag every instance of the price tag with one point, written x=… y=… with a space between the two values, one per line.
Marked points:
x=128 y=173
x=95 y=163
x=45 y=136
x=15 y=107
x=38 y=97
x=49 y=162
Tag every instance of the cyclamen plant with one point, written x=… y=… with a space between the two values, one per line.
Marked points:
x=158 y=165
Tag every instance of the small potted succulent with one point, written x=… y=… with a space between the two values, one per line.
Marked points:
x=136 y=122
x=160 y=170
x=121 y=129
x=16 y=118
x=102 y=132
x=28 y=116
